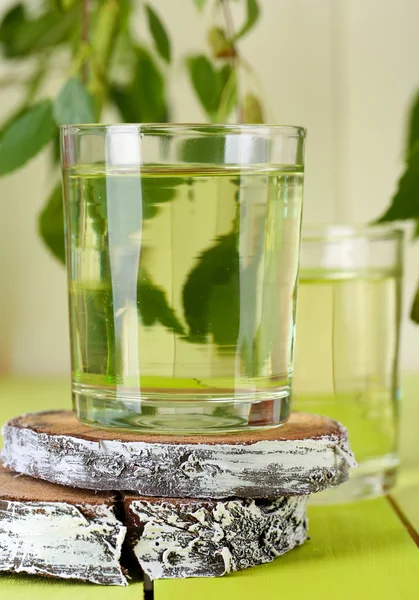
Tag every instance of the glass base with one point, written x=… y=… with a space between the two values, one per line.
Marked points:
x=371 y=479
x=181 y=417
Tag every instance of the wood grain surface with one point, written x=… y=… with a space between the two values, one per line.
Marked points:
x=308 y=454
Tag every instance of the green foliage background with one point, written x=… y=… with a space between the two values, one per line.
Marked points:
x=100 y=43
x=110 y=66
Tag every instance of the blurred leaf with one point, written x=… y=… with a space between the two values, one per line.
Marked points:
x=153 y=305
x=211 y=290
x=55 y=149
x=220 y=46
x=224 y=311
x=206 y=83
x=123 y=56
x=65 y=5
x=51 y=224
x=155 y=193
x=121 y=205
x=10 y=24
x=95 y=192
x=200 y=4
x=252 y=109
x=228 y=96
x=13 y=117
x=216 y=89
x=202 y=150
x=124 y=102
x=415 y=235
x=413 y=128
x=26 y=136
x=144 y=99
x=414 y=311
x=103 y=42
x=104 y=31
x=253 y=13
x=126 y=9
x=73 y=104
x=34 y=82
x=405 y=202
x=159 y=34
x=50 y=29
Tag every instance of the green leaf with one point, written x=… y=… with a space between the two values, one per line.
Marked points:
x=252 y=109
x=202 y=150
x=13 y=117
x=224 y=312
x=104 y=29
x=10 y=24
x=127 y=108
x=205 y=82
x=65 y=5
x=35 y=81
x=211 y=290
x=159 y=34
x=220 y=46
x=154 y=193
x=50 y=29
x=413 y=128
x=253 y=13
x=200 y=4
x=216 y=89
x=228 y=92
x=51 y=224
x=123 y=56
x=26 y=136
x=405 y=203
x=153 y=305
x=144 y=99
x=73 y=104
x=414 y=311
x=55 y=149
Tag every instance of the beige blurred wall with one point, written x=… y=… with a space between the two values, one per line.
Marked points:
x=345 y=69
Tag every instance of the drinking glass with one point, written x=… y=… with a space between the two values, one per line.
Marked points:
x=182 y=247
x=347 y=350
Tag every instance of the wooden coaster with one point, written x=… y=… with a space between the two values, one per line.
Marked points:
x=306 y=455
x=55 y=531
x=176 y=537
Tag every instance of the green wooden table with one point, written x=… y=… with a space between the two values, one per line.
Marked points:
x=362 y=550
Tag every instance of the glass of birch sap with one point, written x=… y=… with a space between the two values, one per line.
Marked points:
x=347 y=351
x=182 y=249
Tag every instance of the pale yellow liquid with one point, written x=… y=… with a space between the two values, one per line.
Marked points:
x=346 y=357
x=182 y=294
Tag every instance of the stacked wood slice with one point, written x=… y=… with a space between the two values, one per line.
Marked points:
x=193 y=506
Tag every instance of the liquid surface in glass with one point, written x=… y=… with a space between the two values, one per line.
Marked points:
x=182 y=294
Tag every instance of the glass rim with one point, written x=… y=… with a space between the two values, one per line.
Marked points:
x=204 y=129
x=342 y=232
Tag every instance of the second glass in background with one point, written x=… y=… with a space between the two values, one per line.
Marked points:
x=346 y=362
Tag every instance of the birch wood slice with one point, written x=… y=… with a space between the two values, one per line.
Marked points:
x=207 y=538
x=306 y=455
x=55 y=531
